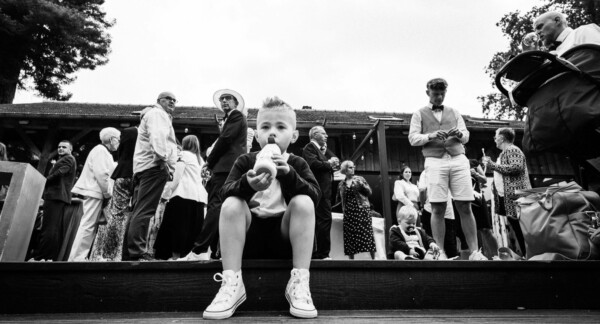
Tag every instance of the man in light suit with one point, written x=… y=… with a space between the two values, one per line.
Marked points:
x=322 y=163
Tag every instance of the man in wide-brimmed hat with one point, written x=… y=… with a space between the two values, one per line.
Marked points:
x=228 y=147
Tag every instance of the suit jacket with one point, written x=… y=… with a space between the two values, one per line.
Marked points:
x=125 y=152
x=61 y=179
x=230 y=144
x=317 y=161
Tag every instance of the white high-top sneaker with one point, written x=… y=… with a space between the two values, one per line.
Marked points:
x=298 y=295
x=231 y=294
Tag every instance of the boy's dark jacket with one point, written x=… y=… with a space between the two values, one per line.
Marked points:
x=397 y=242
x=299 y=181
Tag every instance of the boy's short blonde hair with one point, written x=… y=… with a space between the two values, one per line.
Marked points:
x=407 y=213
x=275 y=103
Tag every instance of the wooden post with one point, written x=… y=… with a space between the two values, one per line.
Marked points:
x=386 y=195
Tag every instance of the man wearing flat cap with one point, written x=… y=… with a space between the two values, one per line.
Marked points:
x=154 y=162
x=229 y=146
x=442 y=132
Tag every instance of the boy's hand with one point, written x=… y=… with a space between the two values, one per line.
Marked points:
x=435 y=248
x=259 y=182
x=283 y=167
x=414 y=253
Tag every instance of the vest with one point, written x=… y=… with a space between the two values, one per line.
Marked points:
x=436 y=147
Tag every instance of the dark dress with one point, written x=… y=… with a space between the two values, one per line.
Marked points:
x=357 y=226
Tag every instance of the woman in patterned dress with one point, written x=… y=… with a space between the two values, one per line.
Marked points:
x=357 y=227
x=513 y=167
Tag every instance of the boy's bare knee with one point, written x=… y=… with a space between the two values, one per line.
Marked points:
x=302 y=205
x=233 y=207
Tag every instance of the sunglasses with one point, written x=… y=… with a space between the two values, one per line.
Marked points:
x=170 y=99
x=226 y=97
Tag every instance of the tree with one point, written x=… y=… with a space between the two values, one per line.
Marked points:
x=44 y=42
x=515 y=25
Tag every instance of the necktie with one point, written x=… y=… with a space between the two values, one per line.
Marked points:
x=324 y=149
x=437 y=108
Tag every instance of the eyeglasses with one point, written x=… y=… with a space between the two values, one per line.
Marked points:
x=118 y=139
x=226 y=97
x=170 y=99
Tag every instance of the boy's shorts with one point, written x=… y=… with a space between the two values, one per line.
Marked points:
x=265 y=241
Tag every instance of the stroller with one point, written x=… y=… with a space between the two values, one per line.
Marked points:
x=563 y=99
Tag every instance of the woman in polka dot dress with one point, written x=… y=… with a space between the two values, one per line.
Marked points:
x=358 y=229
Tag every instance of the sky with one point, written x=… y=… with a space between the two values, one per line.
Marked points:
x=347 y=55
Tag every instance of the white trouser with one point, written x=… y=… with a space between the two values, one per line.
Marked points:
x=86 y=231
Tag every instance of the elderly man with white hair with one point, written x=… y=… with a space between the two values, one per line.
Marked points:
x=93 y=184
x=553 y=30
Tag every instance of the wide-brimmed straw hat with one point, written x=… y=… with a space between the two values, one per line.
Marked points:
x=241 y=104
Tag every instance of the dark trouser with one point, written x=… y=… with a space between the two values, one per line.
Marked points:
x=516 y=226
x=148 y=186
x=449 y=236
x=53 y=230
x=323 y=229
x=209 y=236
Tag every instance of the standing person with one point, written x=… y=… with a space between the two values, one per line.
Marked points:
x=109 y=240
x=322 y=167
x=512 y=166
x=57 y=195
x=93 y=184
x=354 y=192
x=232 y=143
x=266 y=216
x=153 y=165
x=184 y=213
x=556 y=35
x=442 y=132
x=405 y=192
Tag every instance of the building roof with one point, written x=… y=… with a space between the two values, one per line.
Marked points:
x=205 y=115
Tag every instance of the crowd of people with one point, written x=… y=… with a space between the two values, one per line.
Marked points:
x=253 y=213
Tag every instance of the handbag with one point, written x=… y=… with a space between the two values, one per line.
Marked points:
x=555 y=221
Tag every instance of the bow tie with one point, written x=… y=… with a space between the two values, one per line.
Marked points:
x=437 y=108
x=554 y=45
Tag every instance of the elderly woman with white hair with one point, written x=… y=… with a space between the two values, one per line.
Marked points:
x=93 y=184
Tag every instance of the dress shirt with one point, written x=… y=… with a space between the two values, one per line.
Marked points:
x=569 y=38
x=156 y=143
x=417 y=139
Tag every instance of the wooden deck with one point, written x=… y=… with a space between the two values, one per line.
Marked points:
x=421 y=316
x=106 y=289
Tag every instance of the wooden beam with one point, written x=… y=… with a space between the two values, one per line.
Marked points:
x=357 y=151
x=386 y=195
x=27 y=140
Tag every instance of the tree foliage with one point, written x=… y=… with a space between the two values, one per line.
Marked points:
x=514 y=26
x=44 y=42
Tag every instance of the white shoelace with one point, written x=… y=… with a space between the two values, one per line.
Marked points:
x=301 y=290
x=226 y=291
